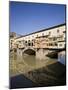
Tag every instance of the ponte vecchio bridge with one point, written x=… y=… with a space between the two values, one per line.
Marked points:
x=41 y=42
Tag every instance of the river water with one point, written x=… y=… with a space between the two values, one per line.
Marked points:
x=41 y=72
x=23 y=64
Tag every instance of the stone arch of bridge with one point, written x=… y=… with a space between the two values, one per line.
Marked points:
x=29 y=51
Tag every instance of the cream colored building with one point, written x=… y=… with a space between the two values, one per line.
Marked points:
x=12 y=40
x=53 y=37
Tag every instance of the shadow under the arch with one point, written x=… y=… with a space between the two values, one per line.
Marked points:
x=30 y=52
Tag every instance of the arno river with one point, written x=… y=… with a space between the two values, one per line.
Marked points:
x=26 y=63
x=42 y=72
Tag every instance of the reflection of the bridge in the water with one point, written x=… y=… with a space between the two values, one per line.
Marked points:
x=43 y=72
x=25 y=63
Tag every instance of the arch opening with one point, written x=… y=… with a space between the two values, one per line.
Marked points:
x=29 y=52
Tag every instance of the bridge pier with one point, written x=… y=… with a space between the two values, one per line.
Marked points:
x=41 y=53
x=19 y=52
x=61 y=57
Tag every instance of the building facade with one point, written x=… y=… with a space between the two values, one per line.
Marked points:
x=12 y=39
x=53 y=37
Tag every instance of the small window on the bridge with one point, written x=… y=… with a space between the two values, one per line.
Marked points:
x=32 y=39
x=32 y=44
x=11 y=40
x=37 y=35
x=57 y=30
x=60 y=44
x=42 y=34
x=64 y=31
x=47 y=44
x=29 y=44
x=19 y=41
x=51 y=44
x=55 y=44
x=54 y=38
x=25 y=41
x=28 y=40
x=49 y=33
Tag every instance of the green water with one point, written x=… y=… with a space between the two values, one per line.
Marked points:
x=23 y=64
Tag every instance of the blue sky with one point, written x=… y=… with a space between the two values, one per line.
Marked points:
x=30 y=17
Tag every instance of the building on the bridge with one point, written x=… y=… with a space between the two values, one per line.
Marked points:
x=12 y=39
x=53 y=37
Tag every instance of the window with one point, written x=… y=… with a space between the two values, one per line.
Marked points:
x=54 y=38
x=19 y=41
x=28 y=40
x=51 y=44
x=37 y=35
x=32 y=44
x=57 y=30
x=60 y=44
x=28 y=44
x=42 y=34
x=64 y=31
x=32 y=39
x=55 y=44
x=47 y=44
x=11 y=40
x=25 y=41
x=49 y=33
